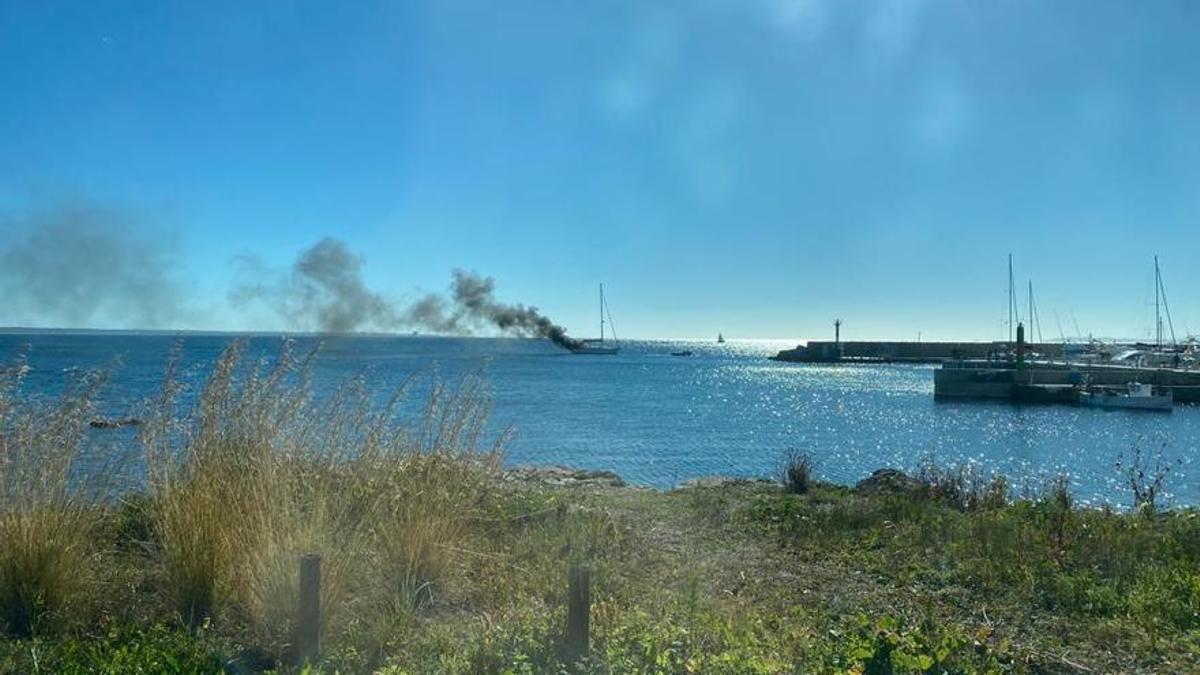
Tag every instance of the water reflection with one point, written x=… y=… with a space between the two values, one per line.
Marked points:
x=659 y=419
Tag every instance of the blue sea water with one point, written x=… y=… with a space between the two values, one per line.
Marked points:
x=658 y=419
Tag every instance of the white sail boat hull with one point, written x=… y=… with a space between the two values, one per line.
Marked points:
x=595 y=350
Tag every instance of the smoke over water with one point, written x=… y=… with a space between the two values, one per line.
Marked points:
x=92 y=267
x=85 y=266
x=325 y=291
x=473 y=298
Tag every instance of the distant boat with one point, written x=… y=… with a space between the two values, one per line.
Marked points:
x=686 y=352
x=720 y=339
x=599 y=347
x=1136 y=396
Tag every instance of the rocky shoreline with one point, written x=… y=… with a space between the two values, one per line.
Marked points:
x=558 y=475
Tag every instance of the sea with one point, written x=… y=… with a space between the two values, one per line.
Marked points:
x=658 y=419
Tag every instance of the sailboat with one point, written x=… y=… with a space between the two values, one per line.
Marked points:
x=600 y=346
x=720 y=338
x=1161 y=355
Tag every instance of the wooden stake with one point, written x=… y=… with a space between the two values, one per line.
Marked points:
x=308 y=624
x=579 y=605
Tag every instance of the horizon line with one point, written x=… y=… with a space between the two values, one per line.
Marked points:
x=26 y=330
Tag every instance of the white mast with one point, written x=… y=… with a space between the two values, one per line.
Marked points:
x=1035 y=322
x=1157 y=319
x=1011 y=300
x=601 y=312
x=1160 y=291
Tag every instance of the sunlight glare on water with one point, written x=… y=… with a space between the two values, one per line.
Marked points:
x=658 y=419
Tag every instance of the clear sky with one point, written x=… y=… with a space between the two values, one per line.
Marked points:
x=752 y=167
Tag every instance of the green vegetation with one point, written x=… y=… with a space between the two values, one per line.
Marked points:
x=797 y=471
x=434 y=562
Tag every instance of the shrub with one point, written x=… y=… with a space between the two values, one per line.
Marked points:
x=797 y=471
x=887 y=644
x=1145 y=481
x=962 y=485
x=1167 y=595
x=1058 y=493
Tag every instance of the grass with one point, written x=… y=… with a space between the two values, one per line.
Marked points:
x=1096 y=576
x=240 y=482
x=433 y=563
x=962 y=485
x=47 y=514
x=259 y=474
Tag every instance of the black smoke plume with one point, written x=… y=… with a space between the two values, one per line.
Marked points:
x=325 y=291
x=473 y=298
x=83 y=265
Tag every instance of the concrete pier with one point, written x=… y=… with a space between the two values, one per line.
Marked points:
x=1005 y=380
x=824 y=351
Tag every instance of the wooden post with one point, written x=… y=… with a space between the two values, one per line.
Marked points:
x=308 y=624
x=579 y=606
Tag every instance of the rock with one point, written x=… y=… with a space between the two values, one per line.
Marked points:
x=717 y=482
x=888 y=480
x=114 y=422
x=563 y=476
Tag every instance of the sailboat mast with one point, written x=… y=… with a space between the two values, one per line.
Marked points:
x=1161 y=292
x=601 y=312
x=1031 y=326
x=1011 y=300
x=1157 y=319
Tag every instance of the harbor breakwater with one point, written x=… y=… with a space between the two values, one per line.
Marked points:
x=825 y=351
x=976 y=379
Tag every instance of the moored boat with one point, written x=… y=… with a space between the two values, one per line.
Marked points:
x=599 y=346
x=596 y=347
x=1134 y=396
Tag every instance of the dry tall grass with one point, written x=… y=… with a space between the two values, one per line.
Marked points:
x=257 y=471
x=48 y=511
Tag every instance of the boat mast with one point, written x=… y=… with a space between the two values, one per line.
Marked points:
x=1035 y=321
x=601 y=312
x=1157 y=318
x=1031 y=310
x=1161 y=291
x=1011 y=300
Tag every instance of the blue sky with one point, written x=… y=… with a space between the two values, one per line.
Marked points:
x=753 y=167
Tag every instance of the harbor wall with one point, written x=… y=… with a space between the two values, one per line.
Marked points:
x=825 y=351
x=981 y=381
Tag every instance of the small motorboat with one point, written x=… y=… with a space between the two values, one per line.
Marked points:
x=1134 y=396
x=686 y=352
